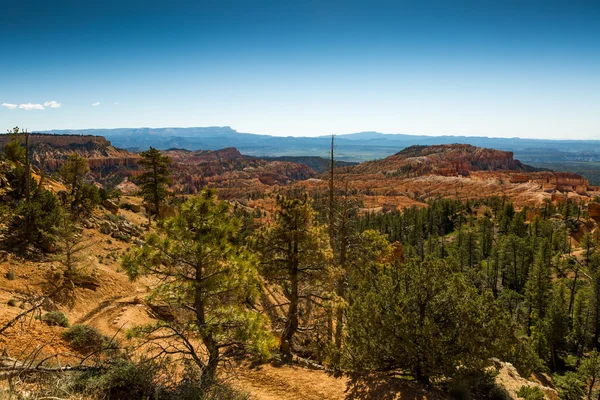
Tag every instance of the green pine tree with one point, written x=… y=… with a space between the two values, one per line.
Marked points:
x=295 y=254
x=207 y=279
x=154 y=179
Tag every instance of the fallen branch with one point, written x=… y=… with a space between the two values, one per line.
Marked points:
x=21 y=315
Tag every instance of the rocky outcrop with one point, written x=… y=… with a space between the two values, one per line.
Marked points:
x=111 y=206
x=230 y=153
x=166 y=211
x=520 y=178
x=231 y=170
x=555 y=181
x=127 y=187
x=566 y=181
x=444 y=160
x=122 y=230
x=54 y=150
x=509 y=378
x=127 y=160
x=594 y=210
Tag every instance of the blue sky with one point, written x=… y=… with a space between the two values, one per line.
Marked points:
x=494 y=68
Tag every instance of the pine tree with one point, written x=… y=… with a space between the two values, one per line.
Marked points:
x=556 y=323
x=583 y=316
x=73 y=173
x=594 y=272
x=154 y=179
x=207 y=278
x=424 y=317
x=13 y=149
x=295 y=254
x=590 y=371
x=538 y=289
x=84 y=196
x=70 y=248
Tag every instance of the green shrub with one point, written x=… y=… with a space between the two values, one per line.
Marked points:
x=569 y=386
x=87 y=198
x=85 y=338
x=189 y=388
x=530 y=393
x=526 y=359
x=12 y=303
x=150 y=379
x=10 y=275
x=124 y=379
x=56 y=318
x=36 y=221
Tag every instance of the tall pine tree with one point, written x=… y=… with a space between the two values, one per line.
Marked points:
x=154 y=179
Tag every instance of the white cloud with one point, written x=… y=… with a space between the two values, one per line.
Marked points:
x=116 y=103
x=29 y=106
x=52 y=104
x=96 y=104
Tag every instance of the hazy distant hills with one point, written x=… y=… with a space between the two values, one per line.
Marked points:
x=354 y=147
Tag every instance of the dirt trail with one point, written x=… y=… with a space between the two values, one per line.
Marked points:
x=268 y=382
x=285 y=382
x=103 y=306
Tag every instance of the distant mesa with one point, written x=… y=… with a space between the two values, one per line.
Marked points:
x=64 y=140
x=422 y=171
x=445 y=160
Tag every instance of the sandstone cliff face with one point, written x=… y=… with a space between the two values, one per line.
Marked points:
x=594 y=210
x=231 y=170
x=56 y=149
x=554 y=181
x=205 y=156
x=107 y=163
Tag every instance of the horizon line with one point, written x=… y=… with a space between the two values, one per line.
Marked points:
x=318 y=135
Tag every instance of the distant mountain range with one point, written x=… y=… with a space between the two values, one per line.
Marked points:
x=355 y=147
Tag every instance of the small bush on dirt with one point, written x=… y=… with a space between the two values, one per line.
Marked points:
x=124 y=380
x=189 y=388
x=10 y=275
x=12 y=303
x=85 y=338
x=150 y=379
x=530 y=393
x=56 y=318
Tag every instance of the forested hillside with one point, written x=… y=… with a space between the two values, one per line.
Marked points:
x=170 y=295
